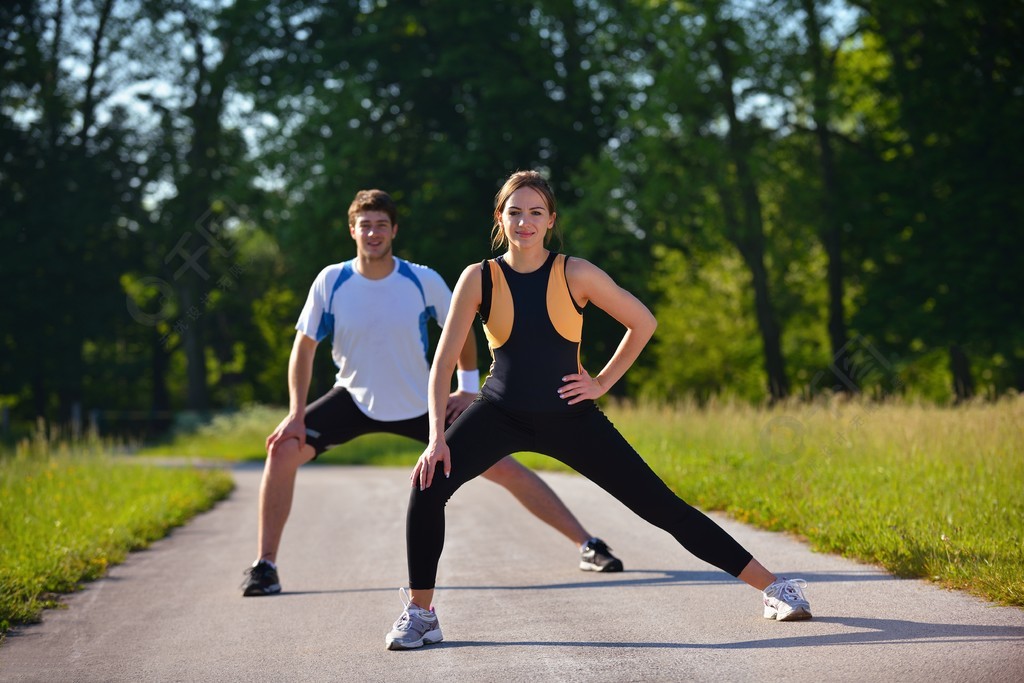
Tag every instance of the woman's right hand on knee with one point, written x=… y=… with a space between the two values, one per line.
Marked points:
x=423 y=473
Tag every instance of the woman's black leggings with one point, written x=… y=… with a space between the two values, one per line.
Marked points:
x=585 y=441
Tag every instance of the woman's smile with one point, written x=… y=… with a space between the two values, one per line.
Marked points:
x=526 y=217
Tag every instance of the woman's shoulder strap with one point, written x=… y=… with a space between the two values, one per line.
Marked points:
x=487 y=285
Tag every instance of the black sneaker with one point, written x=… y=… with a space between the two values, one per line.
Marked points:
x=261 y=579
x=597 y=557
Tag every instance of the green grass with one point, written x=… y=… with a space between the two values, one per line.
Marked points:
x=232 y=436
x=923 y=491
x=68 y=513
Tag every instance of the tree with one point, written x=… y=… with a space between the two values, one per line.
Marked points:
x=68 y=182
x=200 y=53
x=819 y=62
x=694 y=160
x=386 y=98
x=946 y=269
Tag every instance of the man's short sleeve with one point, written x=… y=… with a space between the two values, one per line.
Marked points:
x=314 y=321
x=437 y=294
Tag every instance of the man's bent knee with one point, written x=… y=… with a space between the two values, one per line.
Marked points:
x=288 y=454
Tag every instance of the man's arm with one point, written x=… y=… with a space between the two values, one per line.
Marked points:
x=300 y=374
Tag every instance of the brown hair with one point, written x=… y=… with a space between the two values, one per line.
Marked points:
x=372 y=200
x=519 y=179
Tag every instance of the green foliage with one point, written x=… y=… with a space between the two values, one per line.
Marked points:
x=67 y=518
x=706 y=339
x=945 y=267
x=273 y=313
x=393 y=102
x=692 y=127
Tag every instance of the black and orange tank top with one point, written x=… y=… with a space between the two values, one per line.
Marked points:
x=533 y=327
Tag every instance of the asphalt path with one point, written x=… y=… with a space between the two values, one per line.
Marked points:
x=512 y=603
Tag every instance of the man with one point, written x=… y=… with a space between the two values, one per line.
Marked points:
x=375 y=307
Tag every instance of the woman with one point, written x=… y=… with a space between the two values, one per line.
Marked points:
x=539 y=398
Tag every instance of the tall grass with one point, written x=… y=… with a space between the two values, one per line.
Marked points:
x=69 y=511
x=921 y=490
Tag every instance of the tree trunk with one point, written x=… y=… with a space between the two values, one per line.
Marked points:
x=95 y=61
x=831 y=229
x=160 y=397
x=752 y=252
x=745 y=229
x=159 y=363
x=767 y=322
x=960 y=367
x=39 y=396
x=195 y=348
x=196 y=189
x=1017 y=374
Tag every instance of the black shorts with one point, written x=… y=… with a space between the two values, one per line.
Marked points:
x=334 y=419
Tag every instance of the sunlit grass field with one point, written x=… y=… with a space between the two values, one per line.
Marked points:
x=924 y=491
x=69 y=512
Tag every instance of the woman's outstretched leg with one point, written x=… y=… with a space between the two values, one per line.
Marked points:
x=478 y=439
x=591 y=445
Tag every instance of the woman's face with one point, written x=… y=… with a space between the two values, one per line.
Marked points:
x=526 y=219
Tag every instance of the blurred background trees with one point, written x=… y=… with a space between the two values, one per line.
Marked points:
x=812 y=195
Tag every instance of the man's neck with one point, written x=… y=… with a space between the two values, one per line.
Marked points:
x=374 y=268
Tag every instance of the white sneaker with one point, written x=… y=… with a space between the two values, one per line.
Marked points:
x=784 y=600
x=415 y=628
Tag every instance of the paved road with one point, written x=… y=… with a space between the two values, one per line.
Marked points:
x=513 y=606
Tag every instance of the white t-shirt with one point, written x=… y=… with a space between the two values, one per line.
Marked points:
x=379 y=330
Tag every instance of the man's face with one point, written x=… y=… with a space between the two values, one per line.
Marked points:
x=373 y=233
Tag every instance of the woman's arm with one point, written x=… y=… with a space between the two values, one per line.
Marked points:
x=462 y=397
x=590 y=284
x=465 y=304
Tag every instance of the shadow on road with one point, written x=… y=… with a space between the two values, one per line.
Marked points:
x=630 y=578
x=662 y=577
x=869 y=631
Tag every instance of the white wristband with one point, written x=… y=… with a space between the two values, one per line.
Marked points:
x=469 y=380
